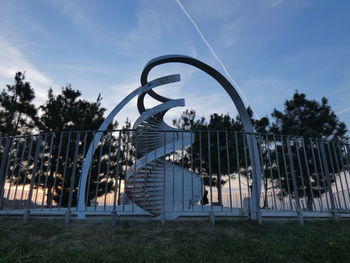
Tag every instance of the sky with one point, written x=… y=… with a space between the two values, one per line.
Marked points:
x=268 y=48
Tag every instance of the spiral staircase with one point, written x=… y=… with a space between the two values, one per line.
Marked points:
x=152 y=182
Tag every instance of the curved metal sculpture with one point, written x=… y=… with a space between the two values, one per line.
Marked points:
x=236 y=99
x=145 y=185
x=152 y=183
x=88 y=157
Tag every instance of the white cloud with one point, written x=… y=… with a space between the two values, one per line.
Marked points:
x=228 y=34
x=271 y=3
x=211 y=9
x=73 y=10
x=173 y=91
x=149 y=32
x=12 y=60
x=80 y=68
x=148 y=28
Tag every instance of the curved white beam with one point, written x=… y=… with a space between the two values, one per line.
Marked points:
x=157 y=109
x=184 y=140
x=237 y=101
x=88 y=157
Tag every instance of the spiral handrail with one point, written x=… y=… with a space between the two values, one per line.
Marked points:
x=151 y=120
x=153 y=183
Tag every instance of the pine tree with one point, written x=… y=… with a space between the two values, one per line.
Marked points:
x=17 y=111
x=73 y=121
x=211 y=140
x=307 y=119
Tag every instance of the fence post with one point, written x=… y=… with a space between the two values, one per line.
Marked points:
x=212 y=217
x=163 y=218
x=329 y=186
x=29 y=200
x=71 y=187
x=113 y=218
x=295 y=185
x=3 y=169
x=255 y=213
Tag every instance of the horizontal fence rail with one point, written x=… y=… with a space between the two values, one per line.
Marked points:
x=179 y=173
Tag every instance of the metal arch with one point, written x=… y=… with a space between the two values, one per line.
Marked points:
x=159 y=109
x=88 y=157
x=236 y=99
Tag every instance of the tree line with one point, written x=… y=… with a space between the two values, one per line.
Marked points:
x=68 y=111
x=302 y=119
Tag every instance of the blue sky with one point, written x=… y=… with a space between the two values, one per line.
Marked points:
x=270 y=48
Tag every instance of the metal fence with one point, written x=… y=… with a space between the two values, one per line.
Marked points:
x=177 y=173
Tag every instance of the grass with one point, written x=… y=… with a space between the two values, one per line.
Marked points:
x=227 y=241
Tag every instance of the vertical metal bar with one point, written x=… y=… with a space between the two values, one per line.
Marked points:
x=323 y=175
x=345 y=147
x=316 y=174
x=145 y=168
x=84 y=144
x=164 y=168
x=246 y=163
x=117 y=171
x=107 y=172
x=308 y=174
x=347 y=155
x=83 y=155
x=295 y=186
x=155 y=162
x=201 y=168
x=173 y=165
x=278 y=171
x=20 y=166
x=333 y=173
x=13 y=169
x=192 y=171
x=72 y=181
x=238 y=172
x=182 y=171
x=338 y=171
x=228 y=168
x=347 y=169
x=27 y=166
x=72 y=178
x=270 y=168
x=98 y=173
x=300 y=168
x=286 y=173
x=87 y=196
x=47 y=169
x=219 y=170
x=64 y=171
x=4 y=161
x=210 y=176
x=326 y=170
x=254 y=207
x=343 y=168
x=135 y=171
x=37 y=150
x=126 y=165
x=52 y=190
x=40 y=169
x=264 y=177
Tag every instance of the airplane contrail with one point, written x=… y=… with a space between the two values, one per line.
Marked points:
x=213 y=52
x=347 y=109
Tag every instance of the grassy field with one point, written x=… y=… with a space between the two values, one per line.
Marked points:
x=227 y=241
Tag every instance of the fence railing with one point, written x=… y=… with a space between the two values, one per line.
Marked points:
x=180 y=172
